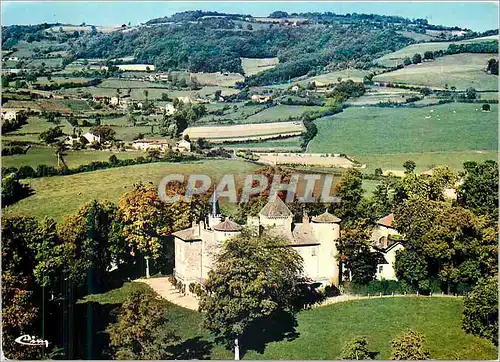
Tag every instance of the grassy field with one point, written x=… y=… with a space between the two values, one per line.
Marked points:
x=397 y=57
x=38 y=155
x=253 y=66
x=443 y=128
x=61 y=195
x=291 y=143
x=424 y=161
x=355 y=75
x=459 y=70
x=321 y=333
x=280 y=112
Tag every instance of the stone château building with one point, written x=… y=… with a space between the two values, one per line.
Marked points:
x=314 y=239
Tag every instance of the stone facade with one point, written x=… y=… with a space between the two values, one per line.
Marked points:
x=385 y=240
x=314 y=239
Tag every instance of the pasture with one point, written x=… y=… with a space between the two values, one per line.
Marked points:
x=375 y=95
x=38 y=155
x=283 y=144
x=218 y=79
x=253 y=66
x=459 y=70
x=59 y=196
x=356 y=75
x=442 y=128
x=281 y=113
x=397 y=57
x=245 y=131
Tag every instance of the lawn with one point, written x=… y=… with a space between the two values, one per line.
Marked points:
x=321 y=333
x=280 y=112
x=397 y=57
x=459 y=70
x=61 y=195
x=442 y=128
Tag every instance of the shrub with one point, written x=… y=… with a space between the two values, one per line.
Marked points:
x=480 y=315
x=376 y=287
x=26 y=172
x=409 y=346
x=357 y=349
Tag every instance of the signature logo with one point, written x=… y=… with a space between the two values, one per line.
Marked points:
x=28 y=340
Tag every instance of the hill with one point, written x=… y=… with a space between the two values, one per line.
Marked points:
x=460 y=71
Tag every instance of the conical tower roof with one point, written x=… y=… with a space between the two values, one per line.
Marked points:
x=228 y=226
x=326 y=218
x=276 y=209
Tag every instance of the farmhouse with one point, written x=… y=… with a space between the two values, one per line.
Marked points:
x=314 y=239
x=91 y=138
x=257 y=98
x=182 y=146
x=151 y=143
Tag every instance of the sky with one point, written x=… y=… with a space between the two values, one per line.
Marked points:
x=477 y=15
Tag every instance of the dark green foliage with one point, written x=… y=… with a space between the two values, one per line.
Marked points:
x=140 y=331
x=357 y=349
x=417 y=58
x=13 y=190
x=254 y=277
x=409 y=346
x=492 y=66
x=9 y=125
x=480 y=316
x=479 y=191
x=377 y=287
x=51 y=135
x=480 y=47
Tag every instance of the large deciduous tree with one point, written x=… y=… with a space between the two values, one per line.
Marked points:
x=480 y=315
x=356 y=255
x=254 y=277
x=140 y=331
x=350 y=191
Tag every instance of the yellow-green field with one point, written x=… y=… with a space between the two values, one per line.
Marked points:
x=459 y=70
x=61 y=195
x=397 y=57
x=253 y=66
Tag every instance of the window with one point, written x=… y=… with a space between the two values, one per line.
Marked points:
x=380 y=268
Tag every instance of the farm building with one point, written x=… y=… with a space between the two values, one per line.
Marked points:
x=9 y=113
x=196 y=247
x=182 y=146
x=151 y=143
x=91 y=138
x=257 y=98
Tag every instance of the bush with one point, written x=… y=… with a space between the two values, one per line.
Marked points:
x=480 y=315
x=409 y=346
x=357 y=349
x=26 y=172
x=375 y=287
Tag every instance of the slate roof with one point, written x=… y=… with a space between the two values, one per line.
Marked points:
x=228 y=226
x=326 y=217
x=276 y=209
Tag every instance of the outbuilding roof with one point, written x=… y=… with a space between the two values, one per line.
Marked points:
x=325 y=218
x=386 y=221
x=276 y=209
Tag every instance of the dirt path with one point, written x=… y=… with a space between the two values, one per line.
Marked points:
x=164 y=288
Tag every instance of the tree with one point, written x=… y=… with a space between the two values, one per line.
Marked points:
x=470 y=93
x=409 y=166
x=350 y=191
x=140 y=330
x=249 y=27
x=479 y=191
x=417 y=58
x=480 y=315
x=355 y=253
x=428 y=55
x=146 y=93
x=407 y=61
x=13 y=190
x=492 y=66
x=254 y=277
x=51 y=135
x=357 y=349
x=60 y=152
x=486 y=107
x=409 y=346
x=106 y=133
x=147 y=222
x=153 y=154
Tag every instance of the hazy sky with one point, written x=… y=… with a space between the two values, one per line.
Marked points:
x=475 y=15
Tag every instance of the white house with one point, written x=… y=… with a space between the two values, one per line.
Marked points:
x=182 y=146
x=9 y=114
x=91 y=137
x=386 y=240
x=256 y=98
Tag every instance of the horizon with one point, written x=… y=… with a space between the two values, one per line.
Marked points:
x=477 y=16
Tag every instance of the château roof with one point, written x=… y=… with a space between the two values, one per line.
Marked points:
x=189 y=234
x=228 y=226
x=326 y=217
x=276 y=209
x=386 y=221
